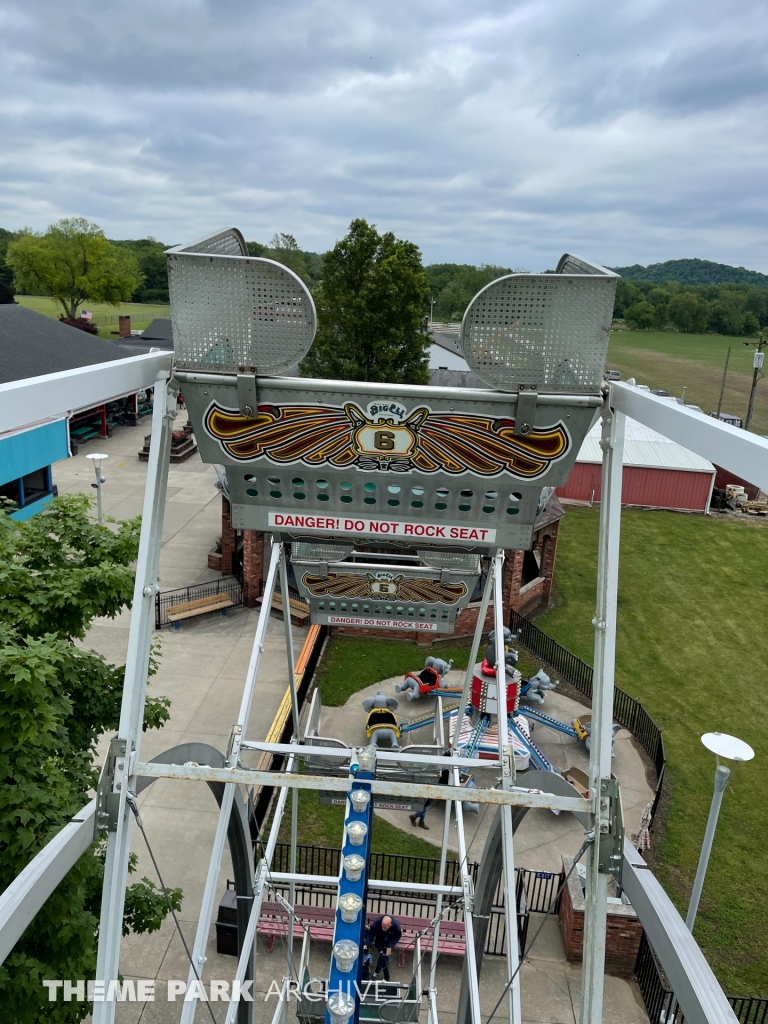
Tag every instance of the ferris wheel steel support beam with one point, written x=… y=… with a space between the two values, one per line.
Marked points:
x=233 y=757
x=295 y=739
x=53 y=395
x=262 y=874
x=596 y=895
x=737 y=450
x=438 y=908
x=134 y=691
x=467 y=892
x=507 y=782
x=479 y=626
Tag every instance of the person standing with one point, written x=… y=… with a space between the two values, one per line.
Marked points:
x=384 y=933
x=417 y=818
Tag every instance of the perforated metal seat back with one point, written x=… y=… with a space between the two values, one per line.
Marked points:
x=235 y=313
x=545 y=332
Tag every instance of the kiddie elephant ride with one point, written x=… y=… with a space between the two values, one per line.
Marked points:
x=428 y=681
x=381 y=726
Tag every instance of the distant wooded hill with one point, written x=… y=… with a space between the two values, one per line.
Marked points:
x=692 y=272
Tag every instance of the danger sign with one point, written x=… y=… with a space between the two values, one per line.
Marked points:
x=361 y=620
x=380 y=527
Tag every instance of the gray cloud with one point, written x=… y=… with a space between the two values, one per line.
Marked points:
x=494 y=132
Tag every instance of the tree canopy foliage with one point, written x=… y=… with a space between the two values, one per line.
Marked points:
x=454 y=285
x=153 y=268
x=692 y=271
x=285 y=249
x=735 y=309
x=370 y=305
x=73 y=261
x=58 y=572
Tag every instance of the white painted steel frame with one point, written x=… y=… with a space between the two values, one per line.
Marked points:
x=507 y=783
x=479 y=627
x=134 y=689
x=233 y=756
x=55 y=395
x=739 y=451
x=596 y=893
x=515 y=797
x=29 y=890
x=466 y=887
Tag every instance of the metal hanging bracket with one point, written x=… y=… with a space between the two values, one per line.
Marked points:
x=611 y=829
x=525 y=413
x=107 y=795
x=247 y=394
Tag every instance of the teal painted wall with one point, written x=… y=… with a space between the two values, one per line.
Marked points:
x=29 y=510
x=32 y=449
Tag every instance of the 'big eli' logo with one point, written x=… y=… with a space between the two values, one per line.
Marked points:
x=386 y=438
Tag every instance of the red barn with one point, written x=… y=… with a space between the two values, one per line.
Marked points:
x=658 y=473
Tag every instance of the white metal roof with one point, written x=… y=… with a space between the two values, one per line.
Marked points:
x=645 y=447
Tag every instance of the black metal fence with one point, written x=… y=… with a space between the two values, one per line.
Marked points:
x=540 y=886
x=628 y=711
x=660 y=1000
x=535 y=890
x=166 y=599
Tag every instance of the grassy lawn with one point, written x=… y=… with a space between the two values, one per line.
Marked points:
x=350 y=664
x=104 y=314
x=671 y=361
x=692 y=645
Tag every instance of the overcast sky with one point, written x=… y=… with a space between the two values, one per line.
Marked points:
x=484 y=131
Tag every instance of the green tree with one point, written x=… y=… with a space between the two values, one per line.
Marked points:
x=285 y=249
x=750 y=325
x=6 y=274
x=73 y=261
x=153 y=269
x=59 y=571
x=454 y=285
x=641 y=315
x=688 y=312
x=370 y=304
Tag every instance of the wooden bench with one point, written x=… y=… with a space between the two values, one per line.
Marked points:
x=299 y=610
x=273 y=922
x=202 y=606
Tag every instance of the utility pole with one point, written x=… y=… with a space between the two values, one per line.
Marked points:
x=757 y=364
x=431 y=308
x=722 y=386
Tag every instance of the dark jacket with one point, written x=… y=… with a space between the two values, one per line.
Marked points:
x=383 y=939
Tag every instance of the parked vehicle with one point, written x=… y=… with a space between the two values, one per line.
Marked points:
x=727 y=417
x=612 y=375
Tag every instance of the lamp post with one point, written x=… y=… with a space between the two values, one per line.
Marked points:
x=96 y=459
x=731 y=749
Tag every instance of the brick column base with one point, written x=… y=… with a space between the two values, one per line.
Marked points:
x=623 y=933
x=253 y=566
x=227 y=538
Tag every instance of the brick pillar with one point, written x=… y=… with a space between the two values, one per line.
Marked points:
x=227 y=538
x=124 y=328
x=253 y=566
x=623 y=931
x=513 y=579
